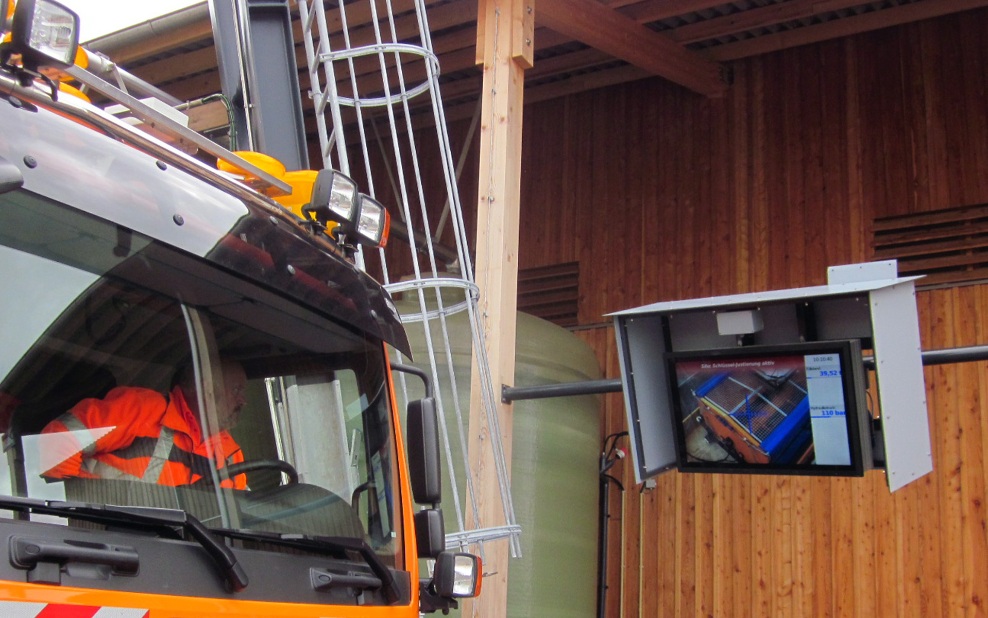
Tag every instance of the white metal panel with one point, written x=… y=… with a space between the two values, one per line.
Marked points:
x=886 y=270
x=754 y=298
x=901 y=386
x=646 y=394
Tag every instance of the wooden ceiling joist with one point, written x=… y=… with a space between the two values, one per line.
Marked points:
x=644 y=12
x=847 y=26
x=579 y=44
x=762 y=17
x=622 y=37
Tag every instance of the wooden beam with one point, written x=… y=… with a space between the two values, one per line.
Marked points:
x=503 y=27
x=186 y=26
x=179 y=66
x=208 y=116
x=644 y=12
x=928 y=9
x=763 y=17
x=582 y=83
x=573 y=62
x=609 y=31
x=464 y=108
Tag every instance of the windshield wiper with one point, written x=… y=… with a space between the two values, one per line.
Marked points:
x=334 y=545
x=160 y=520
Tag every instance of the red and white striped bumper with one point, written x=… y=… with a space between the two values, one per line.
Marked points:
x=18 y=609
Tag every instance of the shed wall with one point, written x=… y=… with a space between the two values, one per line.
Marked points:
x=660 y=194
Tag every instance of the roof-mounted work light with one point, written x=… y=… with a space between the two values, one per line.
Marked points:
x=359 y=217
x=44 y=33
x=374 y=223
x=334 y=198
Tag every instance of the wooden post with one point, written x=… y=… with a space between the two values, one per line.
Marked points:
x=504 y=46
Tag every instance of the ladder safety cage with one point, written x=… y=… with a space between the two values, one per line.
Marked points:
x=364 y=72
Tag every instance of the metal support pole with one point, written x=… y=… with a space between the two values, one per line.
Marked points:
x=129 y=83
x=955 y=355
x=255 y=54
x=613 y=385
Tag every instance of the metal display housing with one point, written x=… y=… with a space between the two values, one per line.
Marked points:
x=867 y=302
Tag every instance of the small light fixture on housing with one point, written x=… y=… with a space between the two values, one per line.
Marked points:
x=374 y=223
x=360 y=218
x=334 y=198
x=45 y=33
x=457 y=575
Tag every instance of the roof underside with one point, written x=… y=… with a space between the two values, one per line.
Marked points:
x=578 y=44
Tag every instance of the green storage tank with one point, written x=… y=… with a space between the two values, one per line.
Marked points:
x=554 y=463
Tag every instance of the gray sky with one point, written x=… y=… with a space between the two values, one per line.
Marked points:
x=99 y=17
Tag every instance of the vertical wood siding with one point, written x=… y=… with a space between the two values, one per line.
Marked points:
x=661 y=195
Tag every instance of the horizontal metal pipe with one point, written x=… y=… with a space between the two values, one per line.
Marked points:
x=167 y=124
x=613 y=385
x=566 y=389
x=945 y=356
x=955 y=355
x=131 y=84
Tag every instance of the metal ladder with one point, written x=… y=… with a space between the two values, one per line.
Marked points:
x=363 y=55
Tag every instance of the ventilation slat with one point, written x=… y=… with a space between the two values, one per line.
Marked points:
x=951 y=262
x=545 y=285
x=903 y=251
x=929 y=233
x=955 y=214
x=551 y=292
x=954 y=278
x=561 y=301
x=948 y=246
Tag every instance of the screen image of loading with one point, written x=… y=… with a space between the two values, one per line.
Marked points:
x=747 y=416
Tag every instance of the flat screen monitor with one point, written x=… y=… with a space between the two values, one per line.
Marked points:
x=791 y=409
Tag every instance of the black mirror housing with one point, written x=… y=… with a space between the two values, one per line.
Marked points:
x=430 y=533
x=423 y=451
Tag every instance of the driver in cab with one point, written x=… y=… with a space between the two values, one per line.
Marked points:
x=138 y=434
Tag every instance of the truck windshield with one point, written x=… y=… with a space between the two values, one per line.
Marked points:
x=132 y=373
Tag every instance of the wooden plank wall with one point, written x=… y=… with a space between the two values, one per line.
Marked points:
x=662 y=195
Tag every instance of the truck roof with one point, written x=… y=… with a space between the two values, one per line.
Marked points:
x=74 y=153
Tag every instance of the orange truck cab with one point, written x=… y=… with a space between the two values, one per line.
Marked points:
x=132 y=272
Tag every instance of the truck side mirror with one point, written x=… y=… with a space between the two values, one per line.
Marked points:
x=423 y=451
x=430 y=533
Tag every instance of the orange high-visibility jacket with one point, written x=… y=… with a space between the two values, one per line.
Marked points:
x=137 y=434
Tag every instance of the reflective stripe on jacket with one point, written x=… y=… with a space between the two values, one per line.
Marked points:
x=137 y=434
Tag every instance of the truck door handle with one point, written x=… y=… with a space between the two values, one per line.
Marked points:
x=43 y=558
